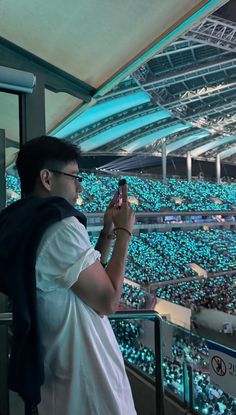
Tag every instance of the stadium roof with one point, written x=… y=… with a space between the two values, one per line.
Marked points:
x=143 y=72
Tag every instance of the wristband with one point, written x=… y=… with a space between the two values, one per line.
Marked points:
x=123 y=229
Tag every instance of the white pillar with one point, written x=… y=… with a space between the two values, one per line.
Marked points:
x=218 y=169
x=189 y=166
x=163 y=155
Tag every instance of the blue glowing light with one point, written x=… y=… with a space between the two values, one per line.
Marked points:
x=115 y=132
x=101 y=111
x=147 y=139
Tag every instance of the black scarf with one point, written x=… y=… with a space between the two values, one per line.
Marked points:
x=22 y=226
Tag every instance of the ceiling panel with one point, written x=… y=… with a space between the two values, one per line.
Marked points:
x=94 y=40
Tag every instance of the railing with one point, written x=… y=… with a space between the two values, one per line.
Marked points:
x=5 y=320
x=156 y=319
x=190 y=356
x=186 y=366
x=177 y=361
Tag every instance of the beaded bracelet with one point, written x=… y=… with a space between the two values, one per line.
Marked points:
x=123 y=229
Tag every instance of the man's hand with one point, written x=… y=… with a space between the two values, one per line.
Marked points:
x=107 y=283
x=124 y=217
x=109 y=213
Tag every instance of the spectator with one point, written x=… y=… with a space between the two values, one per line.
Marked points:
x=83 y=367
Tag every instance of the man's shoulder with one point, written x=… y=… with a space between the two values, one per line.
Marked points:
x=67 y=229
x=65 y=225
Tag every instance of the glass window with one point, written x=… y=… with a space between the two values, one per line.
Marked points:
x=9 y=146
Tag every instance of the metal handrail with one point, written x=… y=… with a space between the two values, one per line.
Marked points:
x=5 y=318
x=151 y=316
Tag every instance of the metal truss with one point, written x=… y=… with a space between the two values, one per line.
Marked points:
x=224 y=150
x=227 y=123
x=145 y=78
x=170 y=101
x=179 y=106
x=155 y=145
x=216 y=115
x=179 y=46
x=187 y=74
x=215 y=31
x=214 y=110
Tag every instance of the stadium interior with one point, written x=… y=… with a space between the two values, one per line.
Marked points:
x=147 y=90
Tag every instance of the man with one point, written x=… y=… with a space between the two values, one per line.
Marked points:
x=84 y=372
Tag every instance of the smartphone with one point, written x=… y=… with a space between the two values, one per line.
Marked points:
x=121 y=183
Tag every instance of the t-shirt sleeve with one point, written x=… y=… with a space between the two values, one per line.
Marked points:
x=64 y=252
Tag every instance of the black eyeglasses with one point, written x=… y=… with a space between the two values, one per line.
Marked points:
x=74 y=176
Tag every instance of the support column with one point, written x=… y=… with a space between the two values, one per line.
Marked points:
x=163 y=156
x=2 y=169
x=4 y=395
x=218 y=169
x=189 y=166
x=32 y=113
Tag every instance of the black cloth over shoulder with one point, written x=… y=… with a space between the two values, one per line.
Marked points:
x=22 y=226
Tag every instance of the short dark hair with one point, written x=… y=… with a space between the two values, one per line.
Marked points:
x=43 y=152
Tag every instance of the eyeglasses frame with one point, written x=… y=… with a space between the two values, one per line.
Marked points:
x=77 y=178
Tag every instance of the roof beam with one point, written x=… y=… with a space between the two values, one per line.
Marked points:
x=174 y=76
x=175 y=145
x=189 y=73
x=227 y=153
x=118 y=131
x=139 y=133
x=209 y=146
x=54 y=78
x=148 y=138
x=215 y=31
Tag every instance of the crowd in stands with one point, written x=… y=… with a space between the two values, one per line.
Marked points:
x=128 y=335
x=133 y=297
x=187 y=348
x=217 y=293
x=157 y=256
x=148 y=262
x=209 y=399
x=190 y=348
x=152 y=195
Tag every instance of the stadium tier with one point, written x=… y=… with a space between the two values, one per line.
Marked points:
x=149 y=195
x=153 y=196
x=157 y=256
x=215 y=293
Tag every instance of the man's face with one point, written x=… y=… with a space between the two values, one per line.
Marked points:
x=66 y=186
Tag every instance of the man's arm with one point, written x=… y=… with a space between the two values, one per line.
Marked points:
x=100 y=288
x=105 y=239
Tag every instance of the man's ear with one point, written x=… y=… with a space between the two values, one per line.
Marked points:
x=46 y=179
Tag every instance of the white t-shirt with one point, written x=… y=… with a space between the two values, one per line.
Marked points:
x=84 y=368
